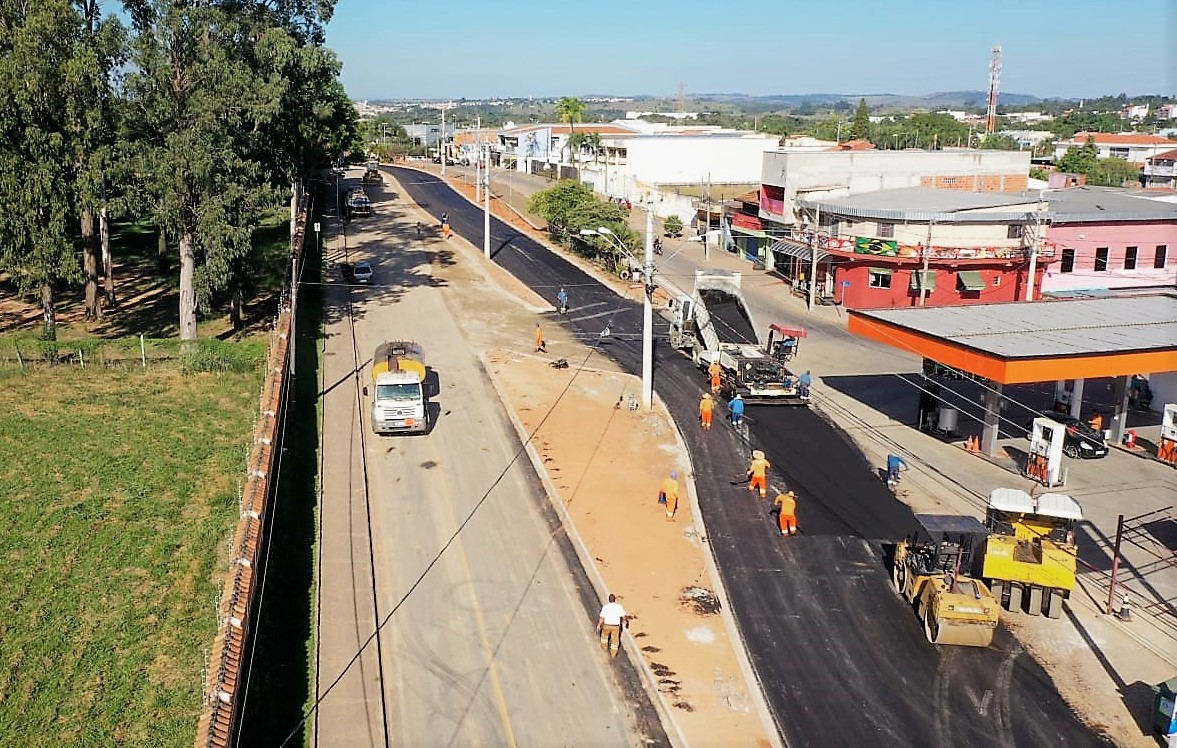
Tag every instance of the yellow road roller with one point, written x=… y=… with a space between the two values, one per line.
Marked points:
x=1030 y=555
x=933 y=570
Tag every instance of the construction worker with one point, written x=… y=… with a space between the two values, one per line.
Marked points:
x=540 y=345
x=715 y=372
x=706 y=406
x=668 y=495
x=787 y=505
x=609 y=624
x=758 y=473
x=895 y=463
x=736 y=408
x=562 y=300
x=1096 y=422
x=803 y=383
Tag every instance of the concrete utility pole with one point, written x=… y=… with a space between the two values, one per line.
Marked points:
x=813 y=258
x=924 y=272
x=478 y=163
x=441 y=141
x=486 y=202
x=1034 y=244
x=648 y=314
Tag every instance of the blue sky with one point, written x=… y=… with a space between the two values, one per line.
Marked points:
x=485 y=48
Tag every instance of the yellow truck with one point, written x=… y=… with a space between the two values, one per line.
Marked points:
x=399 y=375
x=1030 y=555
x=932 y=571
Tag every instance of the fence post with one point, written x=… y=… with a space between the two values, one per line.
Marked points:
x=19 y=358
x=142 y=351
x=81 y=359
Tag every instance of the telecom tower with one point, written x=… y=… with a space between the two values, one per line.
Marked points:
x=994 y=79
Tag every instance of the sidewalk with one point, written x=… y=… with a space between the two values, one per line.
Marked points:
x=860 y=386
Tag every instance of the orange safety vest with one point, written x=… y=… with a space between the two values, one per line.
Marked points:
x=670 y=487
x=706 y=405
x=759 y=468
x=787 y=503
x=715 y=369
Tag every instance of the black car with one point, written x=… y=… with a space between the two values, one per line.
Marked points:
x=1080 y=441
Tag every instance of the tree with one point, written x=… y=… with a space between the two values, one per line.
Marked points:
x=672 y=225
x=1113 y=172
x=39 y=43
x=571 y=110
x=557 y=204
x=860 y=128
x=999 y=142
x=1080 y=160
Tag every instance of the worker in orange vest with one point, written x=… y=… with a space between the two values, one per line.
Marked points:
x=787 y=504
x=669 y=495
x=706 y=407
x=1096 y=422
x=540 y=345
x=758 y=473
x=715 y=371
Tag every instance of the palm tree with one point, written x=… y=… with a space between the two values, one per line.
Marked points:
x=571 y=110
x=594 y=141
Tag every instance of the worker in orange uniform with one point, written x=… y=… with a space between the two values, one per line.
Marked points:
x=1096 y=422
x=715 y=371
x=787 y=505
x=758 y=473
x=540 y=345
x=669 y=495
x=706 y=407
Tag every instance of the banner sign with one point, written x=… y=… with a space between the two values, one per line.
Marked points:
x=865 y=245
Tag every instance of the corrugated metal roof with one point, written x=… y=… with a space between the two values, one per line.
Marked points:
x=1087 y=204
x=1055 y=328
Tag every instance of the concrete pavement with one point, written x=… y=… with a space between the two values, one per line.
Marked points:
x=486 y=638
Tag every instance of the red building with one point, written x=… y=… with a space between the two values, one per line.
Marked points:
x=920 y=246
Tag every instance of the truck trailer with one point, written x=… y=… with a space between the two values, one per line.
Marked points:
x=399 y=373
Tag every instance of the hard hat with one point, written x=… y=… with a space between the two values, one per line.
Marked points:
x=737 y=397
x=757 y=454
x=673 y=473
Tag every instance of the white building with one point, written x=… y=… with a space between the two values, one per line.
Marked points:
x=1028 y=138
x=1135 y=111
x=1130 y=146
x=789 y=176
x=1027 y=118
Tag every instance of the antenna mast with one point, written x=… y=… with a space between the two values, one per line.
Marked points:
x=994 y=80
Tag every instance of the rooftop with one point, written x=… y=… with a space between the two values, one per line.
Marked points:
x=1119 y=138
x=930 y=204
x=1089 y=204
x=1084 y=327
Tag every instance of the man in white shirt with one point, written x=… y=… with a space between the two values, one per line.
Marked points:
x=613 y=617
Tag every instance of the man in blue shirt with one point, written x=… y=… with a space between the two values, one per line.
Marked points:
x=895 y=463
x=803 y=383
x=736 y=406
x=562 y=300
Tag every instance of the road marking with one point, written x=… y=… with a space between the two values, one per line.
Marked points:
x=483 y=638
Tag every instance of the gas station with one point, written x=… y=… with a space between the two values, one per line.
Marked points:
x=1065 y=342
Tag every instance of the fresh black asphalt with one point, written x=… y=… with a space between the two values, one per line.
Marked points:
x=842 y=660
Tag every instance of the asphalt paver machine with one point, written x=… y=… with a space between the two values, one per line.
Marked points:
x=933 y=570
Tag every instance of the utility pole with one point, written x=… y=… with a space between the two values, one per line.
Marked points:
x=486 y=203
x=648 y=314
x=813 y=258
x=441 y=141
x=478 y=162
x=1034 y=244
x=924 y=272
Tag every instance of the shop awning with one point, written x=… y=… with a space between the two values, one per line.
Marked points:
x=796 y=249
x=970 y=280
x=749 y=232
x=923 y=280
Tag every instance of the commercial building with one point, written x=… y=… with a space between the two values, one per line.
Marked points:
x=789 y=176
x=1161 y=170
x=918 y=246
x=1107 y=239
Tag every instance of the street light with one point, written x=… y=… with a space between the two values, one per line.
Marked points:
x=648 y=302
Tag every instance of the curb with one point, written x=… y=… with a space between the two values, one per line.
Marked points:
x=632 y=650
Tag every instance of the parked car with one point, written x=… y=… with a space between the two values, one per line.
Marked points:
x=361 y=272
x=1080 y=440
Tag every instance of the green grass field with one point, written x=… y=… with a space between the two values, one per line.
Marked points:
x=118 y=493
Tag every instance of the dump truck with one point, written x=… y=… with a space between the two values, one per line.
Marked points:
x=372 y=174
x=757 y=373
x=1030 y=554
x=932 y=571
x=399 y=375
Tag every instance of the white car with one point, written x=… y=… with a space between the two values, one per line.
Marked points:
x=362 y=272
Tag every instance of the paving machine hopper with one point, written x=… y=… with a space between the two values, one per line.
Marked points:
x=933 y=571
x=1030 y=555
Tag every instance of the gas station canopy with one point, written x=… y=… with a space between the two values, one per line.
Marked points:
x=1014 y=343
